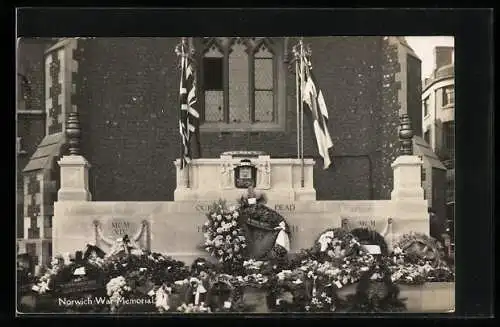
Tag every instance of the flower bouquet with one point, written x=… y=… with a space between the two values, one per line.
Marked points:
x=321 y=303
x=441 y=274
x=291 y=279
x=117 y=290
x=336 y=244
x=192 y=308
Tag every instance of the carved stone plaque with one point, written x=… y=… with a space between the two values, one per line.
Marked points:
x=118 y=227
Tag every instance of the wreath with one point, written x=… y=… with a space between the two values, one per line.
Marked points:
x=224 y=294
x=419 y=248
x=224 y=238
x=370 y=237
x=267 y=231
x=335 y=244
x=376 y=292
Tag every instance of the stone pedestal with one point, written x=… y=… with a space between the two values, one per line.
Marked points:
x=210 y=179
x=407 y=178
x=74 y=179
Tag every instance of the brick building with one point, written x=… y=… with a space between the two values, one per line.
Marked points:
x=438 y=116
x=126 y=91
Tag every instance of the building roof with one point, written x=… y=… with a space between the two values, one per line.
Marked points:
x=50 y=148
x=403 y=42
x=444 y=72
x=421 y=148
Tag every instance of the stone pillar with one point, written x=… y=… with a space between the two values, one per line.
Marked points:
x=74 y=167
x=407 y=178
x=74 y=179
x=407 y=167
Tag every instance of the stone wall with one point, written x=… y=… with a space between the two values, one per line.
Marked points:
x=128 y=100
x=29 y=110
x=175 y=228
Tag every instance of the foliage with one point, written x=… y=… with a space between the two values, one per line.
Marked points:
x=310 y=281
x=419 y=247
x=376 y=292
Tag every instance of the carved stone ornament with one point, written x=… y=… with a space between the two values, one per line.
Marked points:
x=227 y=175
x=264 y=175
x=132 y=241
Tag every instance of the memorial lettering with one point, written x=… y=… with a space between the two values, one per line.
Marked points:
x=367 y=223
x=120 y=227
x=356 y=208
x=202 y=207
x=359 y=222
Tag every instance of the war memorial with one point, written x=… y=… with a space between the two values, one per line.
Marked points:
x=244 y=230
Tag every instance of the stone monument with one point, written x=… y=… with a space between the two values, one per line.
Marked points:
x=175 y=227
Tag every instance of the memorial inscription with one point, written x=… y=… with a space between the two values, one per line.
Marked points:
x=118 y=227
x=358 y=208
x=352 y=222
x=202 y=207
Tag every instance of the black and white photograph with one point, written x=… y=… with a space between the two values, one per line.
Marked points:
x=180 y=175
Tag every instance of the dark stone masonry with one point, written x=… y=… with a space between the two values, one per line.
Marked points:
x=127 y=96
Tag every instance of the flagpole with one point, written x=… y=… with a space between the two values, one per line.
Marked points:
x=297 y=98
x=183 y=148
x=301 y=114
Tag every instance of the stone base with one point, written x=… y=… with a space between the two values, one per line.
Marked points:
x=278 y=195
x=430 y=297
x=175 y=228
x=66 y=194
x=74 y=179
x=407 y=178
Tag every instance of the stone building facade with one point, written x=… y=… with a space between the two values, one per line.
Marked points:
x=438 y=116
x=126 y=92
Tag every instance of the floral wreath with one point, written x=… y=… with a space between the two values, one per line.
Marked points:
x=376 y=292
x=417 y=247
x=336 y=244
x=224 y=239
x=371 y=237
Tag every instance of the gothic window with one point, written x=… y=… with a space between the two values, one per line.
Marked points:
x=239 y=83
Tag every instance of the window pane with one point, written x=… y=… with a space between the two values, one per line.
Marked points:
x=238 y=84
x=263 y=74
x=212 y=73
x=264 y=106
x=214 y=102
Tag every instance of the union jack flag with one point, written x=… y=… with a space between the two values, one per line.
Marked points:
x=188 y=115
